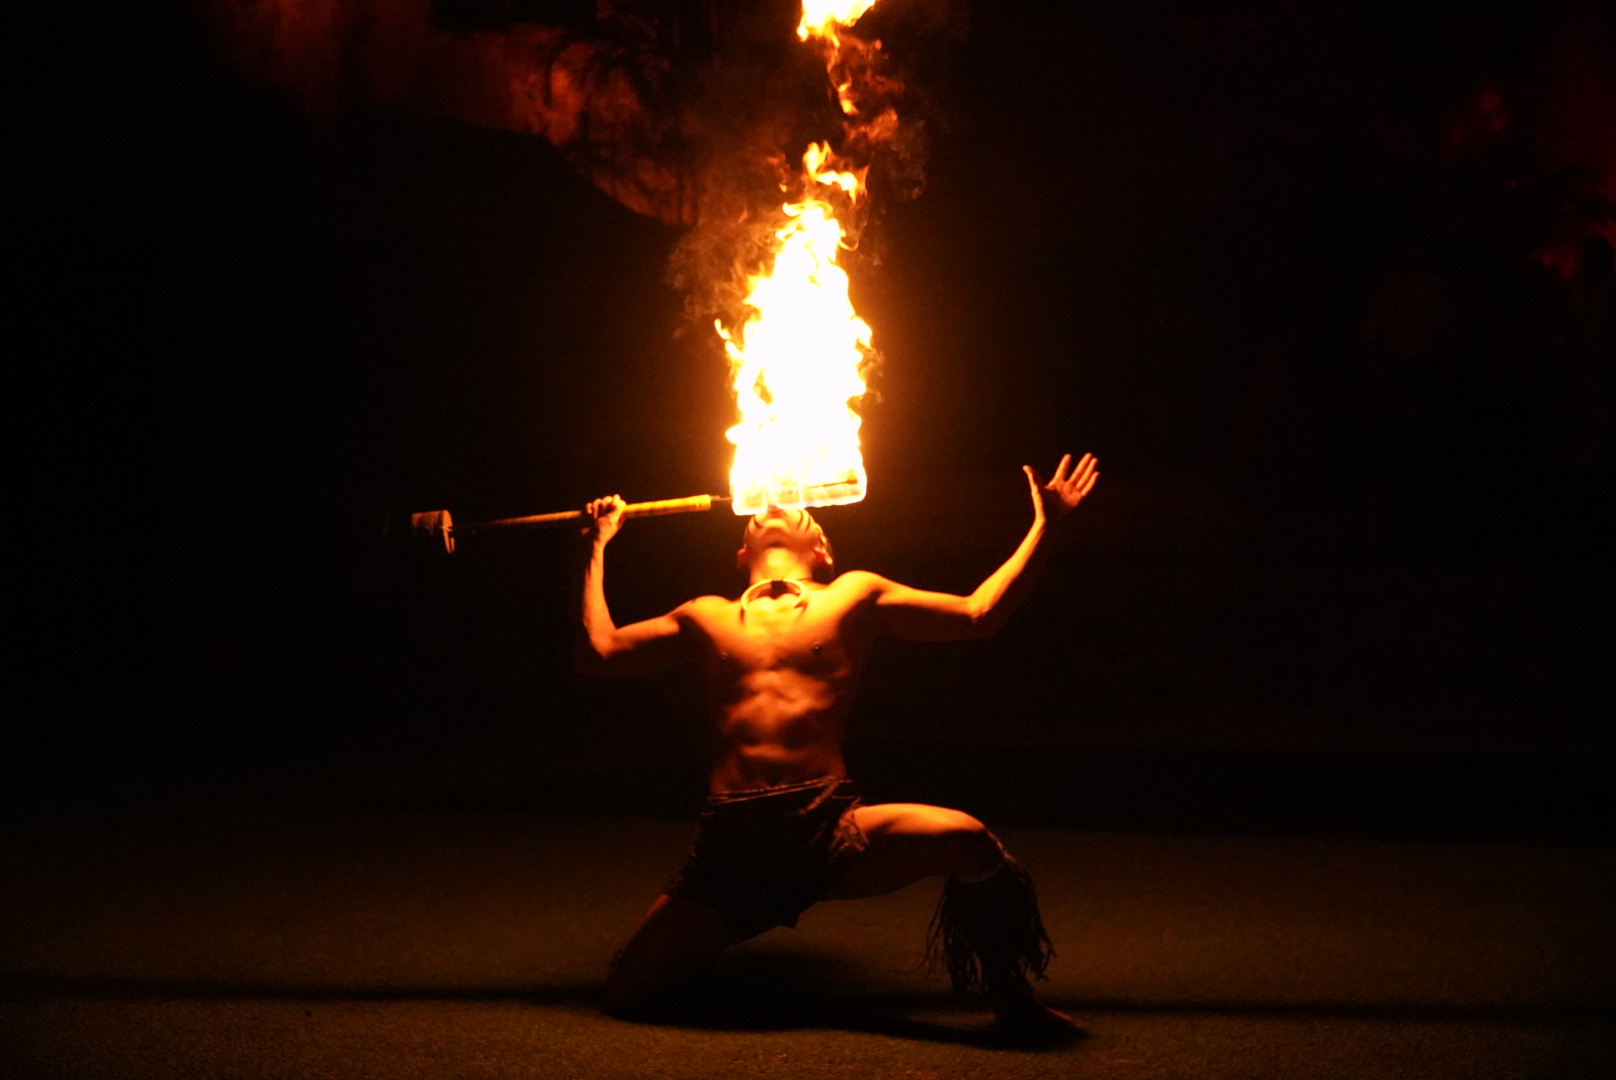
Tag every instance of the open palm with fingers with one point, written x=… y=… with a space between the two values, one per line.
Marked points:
x=1068 y=487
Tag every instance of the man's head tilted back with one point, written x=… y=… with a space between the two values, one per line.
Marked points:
x=793 y=531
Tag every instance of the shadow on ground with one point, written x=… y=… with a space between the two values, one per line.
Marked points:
x=780 y=990
x=749 y=992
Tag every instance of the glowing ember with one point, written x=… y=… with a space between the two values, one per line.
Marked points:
x=822 y=18
x=798 y=360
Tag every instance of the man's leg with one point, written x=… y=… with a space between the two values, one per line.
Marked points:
x=675 y=940
x=679 y=937
x=910 y=841
x=989 y=912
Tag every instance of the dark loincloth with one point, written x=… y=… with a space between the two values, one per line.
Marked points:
x=763 y=857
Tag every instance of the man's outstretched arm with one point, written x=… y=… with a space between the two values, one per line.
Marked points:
x=929 y=616
x=640 y=648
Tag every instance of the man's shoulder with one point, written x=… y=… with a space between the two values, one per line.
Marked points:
x=704 y=606
x=709 y=601
x=704 y=615
x=859 y=582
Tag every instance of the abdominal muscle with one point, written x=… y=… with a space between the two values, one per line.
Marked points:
x=777 y=727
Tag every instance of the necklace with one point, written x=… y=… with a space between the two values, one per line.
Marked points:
x=792 y=586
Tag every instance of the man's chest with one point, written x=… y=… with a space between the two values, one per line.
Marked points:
x=819 y=642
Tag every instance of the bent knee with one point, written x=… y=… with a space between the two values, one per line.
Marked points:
x=971 y=847
x=625 y=1003
x=632 y=995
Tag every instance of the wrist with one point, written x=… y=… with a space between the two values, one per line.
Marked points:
x=1054 y=525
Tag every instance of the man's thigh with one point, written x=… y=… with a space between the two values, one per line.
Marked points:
x=910 y=841
x=675 y=939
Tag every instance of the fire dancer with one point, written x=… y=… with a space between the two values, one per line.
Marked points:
x=784 y=827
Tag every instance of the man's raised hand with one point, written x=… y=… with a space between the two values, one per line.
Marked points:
x=603 y=517
x=1052 y=501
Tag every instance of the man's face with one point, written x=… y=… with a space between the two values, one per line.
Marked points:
x=794 y=530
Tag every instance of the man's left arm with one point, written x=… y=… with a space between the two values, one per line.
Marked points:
x=920 y=615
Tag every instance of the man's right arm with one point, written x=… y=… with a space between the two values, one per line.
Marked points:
x=640 y=648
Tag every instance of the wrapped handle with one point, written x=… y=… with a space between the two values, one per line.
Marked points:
x=438 y=525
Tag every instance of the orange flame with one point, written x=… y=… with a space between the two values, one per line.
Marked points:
x=822 y=18
x=798 y=360
x=799 y=357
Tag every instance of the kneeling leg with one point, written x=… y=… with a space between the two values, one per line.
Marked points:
x=987 y=932
x=910 y=841
x=676 y=939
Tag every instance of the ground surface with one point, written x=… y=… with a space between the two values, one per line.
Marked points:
x=433 y=944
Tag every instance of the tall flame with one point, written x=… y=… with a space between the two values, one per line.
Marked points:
x=798 y=357
x=798 y=360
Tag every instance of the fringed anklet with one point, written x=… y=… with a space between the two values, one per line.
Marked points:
x=988 y=930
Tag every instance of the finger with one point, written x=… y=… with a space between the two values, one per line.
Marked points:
x=1088 y=485
x=1084 y=467
x=1060 y=470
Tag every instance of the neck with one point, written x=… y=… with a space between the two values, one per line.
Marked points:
x=774 y=563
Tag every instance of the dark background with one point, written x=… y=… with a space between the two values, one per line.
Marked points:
x=1297 y=601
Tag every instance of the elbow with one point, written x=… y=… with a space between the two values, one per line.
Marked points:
x=590 y=657
x=982 y=621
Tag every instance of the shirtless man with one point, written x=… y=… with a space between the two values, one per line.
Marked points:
x=784 y=827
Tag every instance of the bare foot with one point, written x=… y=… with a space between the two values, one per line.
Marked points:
x=1023 y=1018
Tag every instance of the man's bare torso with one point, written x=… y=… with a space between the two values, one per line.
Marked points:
x=782 y=670
x=783 y=661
